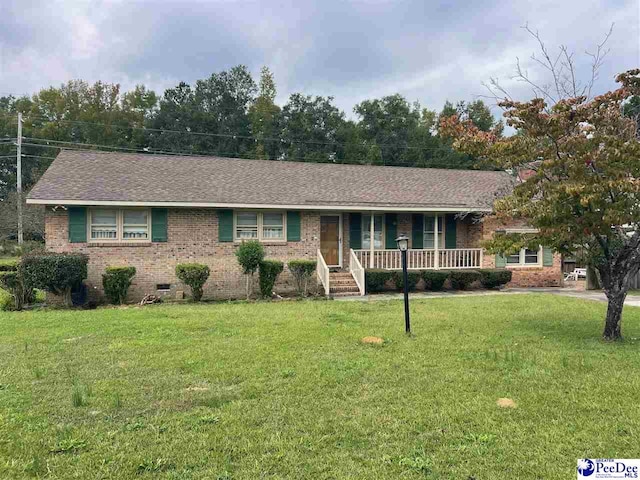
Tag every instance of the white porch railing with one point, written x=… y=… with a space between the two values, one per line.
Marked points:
x=357 y=271
x=323 y=272
x=421 y=259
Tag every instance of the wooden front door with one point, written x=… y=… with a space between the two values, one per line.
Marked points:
x=330 y=239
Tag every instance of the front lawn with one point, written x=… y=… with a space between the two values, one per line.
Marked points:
x=286 y=390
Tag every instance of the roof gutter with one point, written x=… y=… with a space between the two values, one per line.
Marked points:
x=356 y=208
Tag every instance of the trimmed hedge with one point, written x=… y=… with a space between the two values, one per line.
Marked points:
x=462 y=279
x=413 y=277
x=302 y=271
x=116 y=282
x=11 y=282
x=269 y=271
x=57 y=273
x=494 y=277
x=434 y=279
x=375 y=279
x=194 y=275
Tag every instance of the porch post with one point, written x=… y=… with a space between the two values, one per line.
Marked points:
x=371 y=235
x=436 y=258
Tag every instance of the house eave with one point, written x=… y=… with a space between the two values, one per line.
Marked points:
x=356 y=208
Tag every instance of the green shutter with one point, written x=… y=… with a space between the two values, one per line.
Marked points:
x=501 y=261
x=77 y=224
x=450 y=231
x=417 y=231
x=225 y=225
x=391 y=227
x=547 y=257
x=159 y=225
x=293 y=226
x=355 y=231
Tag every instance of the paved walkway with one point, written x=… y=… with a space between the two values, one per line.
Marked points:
x=595 y=295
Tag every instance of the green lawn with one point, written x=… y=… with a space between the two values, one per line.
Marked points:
x=286 y=390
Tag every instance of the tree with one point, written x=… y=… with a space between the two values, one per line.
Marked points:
x=584 y=189
x=264 y=116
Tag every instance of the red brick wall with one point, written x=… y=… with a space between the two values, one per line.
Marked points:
x=192 y=237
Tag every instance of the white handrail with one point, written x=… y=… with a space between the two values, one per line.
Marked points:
x=323 y=272
x=422 y=259
x=357 y=271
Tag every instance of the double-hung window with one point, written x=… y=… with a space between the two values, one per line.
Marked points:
x=377 y=232
x=524 y=257
x=112 y=224
x=265 y=226
x=430 y=231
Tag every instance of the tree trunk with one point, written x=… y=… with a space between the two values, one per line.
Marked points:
x=614 y=316
x=68 y=301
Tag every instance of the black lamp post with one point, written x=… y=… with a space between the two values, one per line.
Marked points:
x=403 y=246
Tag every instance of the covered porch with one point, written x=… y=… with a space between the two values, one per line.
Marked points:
x=359 y=241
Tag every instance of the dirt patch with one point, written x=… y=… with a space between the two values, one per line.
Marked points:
x=196 y=388
x=506 y=403
x=373 y=340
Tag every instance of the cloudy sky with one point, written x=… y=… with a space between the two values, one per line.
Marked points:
x=429 y=51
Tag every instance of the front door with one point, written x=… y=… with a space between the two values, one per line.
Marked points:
x=330 y=239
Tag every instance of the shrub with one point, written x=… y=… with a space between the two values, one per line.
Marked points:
x=412 y=277
x=462 y=279
x=12 y=284
x=434 y=279
x=494 y=277
x=116 y=282
x=269 y=271
x=302 y=270
x=249 y=255
x=57 y=273
x=376 y=279
x=194 y=275
x=9 y=264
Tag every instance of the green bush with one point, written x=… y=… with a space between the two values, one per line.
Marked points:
x=9 y=264
x=116 y=282
x=412 y=277
x=57 y=273
x=302 y=270
x=12 y=284
x=462 y=279
x=434 y=279
x=249 y=255
x=194 y=275
x=494 y=277
x=269 y=271
x=375 y=279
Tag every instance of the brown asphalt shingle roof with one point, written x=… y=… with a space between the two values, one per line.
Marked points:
x=90 y=176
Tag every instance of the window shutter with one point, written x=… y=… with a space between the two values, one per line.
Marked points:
x=77 y=224
x=391 y=227
x=547 y=257
x=355 y=231
x=417 y=231
x=293 y=226
x=450 y=231
x=159 y=225
x=501 y=261
x=225 y=225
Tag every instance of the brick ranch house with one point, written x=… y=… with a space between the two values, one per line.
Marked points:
x=153 y=212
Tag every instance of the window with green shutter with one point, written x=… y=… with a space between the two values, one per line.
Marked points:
x=450 y=231
x=391 y=229
x=77 y=224
x=417 y=230
x=547 y=257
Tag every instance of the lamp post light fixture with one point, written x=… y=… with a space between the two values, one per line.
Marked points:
x=403 y=246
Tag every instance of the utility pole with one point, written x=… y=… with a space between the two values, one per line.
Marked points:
x=19 y=178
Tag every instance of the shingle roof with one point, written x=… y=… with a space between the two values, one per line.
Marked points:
x=92 y=177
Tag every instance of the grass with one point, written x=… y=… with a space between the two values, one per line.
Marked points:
x=286 y=390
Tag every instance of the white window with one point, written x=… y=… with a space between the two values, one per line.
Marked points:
x=265 y=226
x=378 y=244
x=525 y=258
x=430 y=233
x=111 y=224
